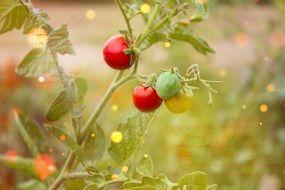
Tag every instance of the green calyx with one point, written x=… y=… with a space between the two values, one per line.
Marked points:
x=168 y=84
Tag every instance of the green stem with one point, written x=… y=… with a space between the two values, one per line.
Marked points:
x=118 y=2
x=149 y=24
x=56 y=183
x=71 y=176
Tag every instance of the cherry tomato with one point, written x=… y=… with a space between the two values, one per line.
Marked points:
x=168 y=85
x=146 y=98
x=114 y=54
x=179 y=103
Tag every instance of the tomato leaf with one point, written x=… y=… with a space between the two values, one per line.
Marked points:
x=58 y=41
x=60 y=106
x=201 y=7
x=81 y=89
x=38 y=62
x=12 y=15
x=147 y=183
x=212 y=187
x=95 y=144
x=30 y=133
x=37 y=19
x=20 y=164
x=196 y=41
x=134 y=131
x=67 y=140
x=195 y=180
x=31 y=185
x=145 y=167
x=153 y=39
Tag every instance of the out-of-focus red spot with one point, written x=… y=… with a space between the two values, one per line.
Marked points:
x=241 y=39
x=62 y=138
x=11 y=154
x=277 y=39
x=44 y=166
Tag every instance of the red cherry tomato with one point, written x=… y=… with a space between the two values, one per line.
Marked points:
x=146 y=98
x=114 y=54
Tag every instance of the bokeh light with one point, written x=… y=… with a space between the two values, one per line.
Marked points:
x=116 y=137
x=263 y=108
x=145 y=8
x=90 y=14
x=38 y=37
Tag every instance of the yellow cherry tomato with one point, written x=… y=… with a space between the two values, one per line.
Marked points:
x=179 y=103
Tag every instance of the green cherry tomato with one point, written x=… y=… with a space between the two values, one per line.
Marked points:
x=179 y=103
x=167 y=85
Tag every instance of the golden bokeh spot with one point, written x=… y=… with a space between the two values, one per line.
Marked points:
x=93 y=135
x=222 y=72
x=145 y=155
x=38 y=37
x=62 y=138
x=243 y=107
x=145 y=8
x=260 y=123
x=114 y=177
x=41 y=79
x=263 y=108
x=270 y=87
x=125 y=169
x=90 y=14
x=167 y=44
x=115 y=107
x=116 y=137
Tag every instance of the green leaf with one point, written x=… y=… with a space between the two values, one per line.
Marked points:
x=37 y=19
x=212 y=187
x=95 y=181
x=58 y=41
x=12 y=15
x=147 y=183
x=196 y=41
x=153 y=39
x=61 y=106
x=20 y=164
x=134 y=131
x=30 y=133
x=201 y=7
x=67 y=140
x=81 y=89
x=145 y=167
x=38 y=62
x=195 y=180
x=95 y=144
x=31 y=185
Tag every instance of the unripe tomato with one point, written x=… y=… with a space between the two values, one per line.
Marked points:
x=168 y=84
x=179 y=103
x=146 y=98
x=114 y=54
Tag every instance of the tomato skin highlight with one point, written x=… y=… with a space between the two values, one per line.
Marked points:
x=146 y=99
x=114 y=54
x=179 y=103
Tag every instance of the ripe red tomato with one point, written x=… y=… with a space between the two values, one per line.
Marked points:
x=114 y=54
x=146 y=98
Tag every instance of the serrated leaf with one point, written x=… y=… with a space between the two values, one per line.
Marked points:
x=67 y=140
x=95 y=144
x=12 y=15
x=36 y=19
x=31 y=185
x=153 y=39
x=38 y=62
x=147 y=183
x=195 y=180
x=134 y=131
x=145 y=166
x=30 y=133
x=212 y=187
x=20 y=164
x=58 y=41
x=196 y=41
x=95 y=181
x=81 y=89
x=60 y=106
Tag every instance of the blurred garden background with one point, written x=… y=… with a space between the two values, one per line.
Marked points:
x=239 y=141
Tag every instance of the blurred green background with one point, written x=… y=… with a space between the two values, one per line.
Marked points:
x=239 y=141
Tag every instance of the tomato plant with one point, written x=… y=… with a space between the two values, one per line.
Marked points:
x=89 y=161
